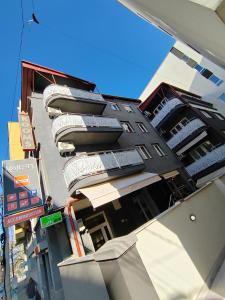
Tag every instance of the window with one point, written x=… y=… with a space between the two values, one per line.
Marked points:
x=207 y=115
x=201 y=150
x=206 y=73
x=160 y=106
x=222 y=97
x=179 y=126
x=142 y=127
x=128 y=108
x=143 y=151
x=191 y=63
x=214 y=79
x=177 y=52
x=114 y=106
x=127 y=127
x=219 y=116
x=199 y=68
x=220 y=82
x=159 y=150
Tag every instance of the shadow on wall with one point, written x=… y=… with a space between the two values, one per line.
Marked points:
x=184 y=247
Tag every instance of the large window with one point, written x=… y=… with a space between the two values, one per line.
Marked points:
x=142 y=127
x=158 y=150
x=143 y=151
x=222 y=97
x=127 y=127
x=160 y=106
x=201 y=150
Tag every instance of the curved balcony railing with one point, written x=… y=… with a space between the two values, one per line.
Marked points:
x=211 y=158
x=91 y=164
x=185 y=132
x=64 y=122
x=167 y=108
x=55 y=90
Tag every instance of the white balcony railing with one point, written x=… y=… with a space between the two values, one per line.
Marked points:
x=82 y=121
x=58 y=90
x=186 y=131
x=211 y=158
x=87 y=165
x=167 y=108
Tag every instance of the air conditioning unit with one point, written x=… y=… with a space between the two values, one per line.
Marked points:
x=65 y=148
x=53 y=112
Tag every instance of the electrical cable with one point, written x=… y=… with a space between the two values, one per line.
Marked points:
x=17 y=71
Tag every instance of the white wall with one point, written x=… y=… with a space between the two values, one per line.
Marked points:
x=176 y=72
x=194 y=24
x=180 y=254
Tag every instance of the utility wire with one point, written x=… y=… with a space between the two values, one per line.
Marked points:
x=17 y=70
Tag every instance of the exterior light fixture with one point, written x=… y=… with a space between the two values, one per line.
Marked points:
x=193 y=217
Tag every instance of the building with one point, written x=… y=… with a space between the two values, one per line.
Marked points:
x=187 y=69
x=198 y=23
x=191 y=127
x=101 y=163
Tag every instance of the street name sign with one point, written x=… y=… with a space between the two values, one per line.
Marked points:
x=50 y=220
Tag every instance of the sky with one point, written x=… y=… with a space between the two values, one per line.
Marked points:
x=97 y=40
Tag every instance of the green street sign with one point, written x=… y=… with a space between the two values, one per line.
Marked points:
x=51 y=219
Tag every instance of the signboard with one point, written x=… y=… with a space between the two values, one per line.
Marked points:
x=26 y=132
x=51 y=219
x=24 y=216
x=21 y=186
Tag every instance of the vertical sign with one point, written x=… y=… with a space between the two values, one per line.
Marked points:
x=26 y=131
x=21 y=186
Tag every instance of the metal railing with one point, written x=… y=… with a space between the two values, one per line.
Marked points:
x=58 y=90
x=215 y=156
x=90 y=164
x=167 y=108
x=83 y=121
x=186 y=131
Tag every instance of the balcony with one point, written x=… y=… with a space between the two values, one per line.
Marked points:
x=90 y=169
x=192 y=127
x=86 y=130
x=170 y=106
x=73 y=100
x=211 y=158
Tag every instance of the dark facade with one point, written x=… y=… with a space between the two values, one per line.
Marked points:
x=86 y=139
x=191 y=127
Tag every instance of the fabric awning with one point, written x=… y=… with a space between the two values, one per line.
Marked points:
x=106 y=192
x=170 y=174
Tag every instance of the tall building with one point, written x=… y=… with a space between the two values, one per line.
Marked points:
x=198 y=23
x=187 y=69
x=101 y=163
x=191 y=127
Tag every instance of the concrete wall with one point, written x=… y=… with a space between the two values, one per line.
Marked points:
x=180 y=255
x=176 y=72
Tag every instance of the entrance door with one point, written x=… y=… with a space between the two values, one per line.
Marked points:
x=99 y=229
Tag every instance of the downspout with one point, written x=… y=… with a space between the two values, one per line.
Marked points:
x=74 y=232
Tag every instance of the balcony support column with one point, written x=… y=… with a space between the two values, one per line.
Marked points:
x=73 y=229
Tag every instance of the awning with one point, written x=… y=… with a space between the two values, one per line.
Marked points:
x=170 y=174
x=106 y=192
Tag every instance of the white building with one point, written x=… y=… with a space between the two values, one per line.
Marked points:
x=187 y=69
x=198 y=23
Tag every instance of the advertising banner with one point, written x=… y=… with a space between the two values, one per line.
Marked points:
x=26 y=132
x=21 y=186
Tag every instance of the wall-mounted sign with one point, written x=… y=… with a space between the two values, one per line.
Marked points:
x=26 y=132
x=24 y=216
x=21 y=186
x=50 y=220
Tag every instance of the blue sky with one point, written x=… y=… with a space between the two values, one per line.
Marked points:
x=98 y=40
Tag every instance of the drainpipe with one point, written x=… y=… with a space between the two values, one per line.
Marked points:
x=75 y=239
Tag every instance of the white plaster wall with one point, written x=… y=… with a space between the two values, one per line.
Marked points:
x=180 y=254
x=176 y=72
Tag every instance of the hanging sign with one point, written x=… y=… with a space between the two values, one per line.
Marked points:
x=50 y=220
x=21 y=187
x=26 y=132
